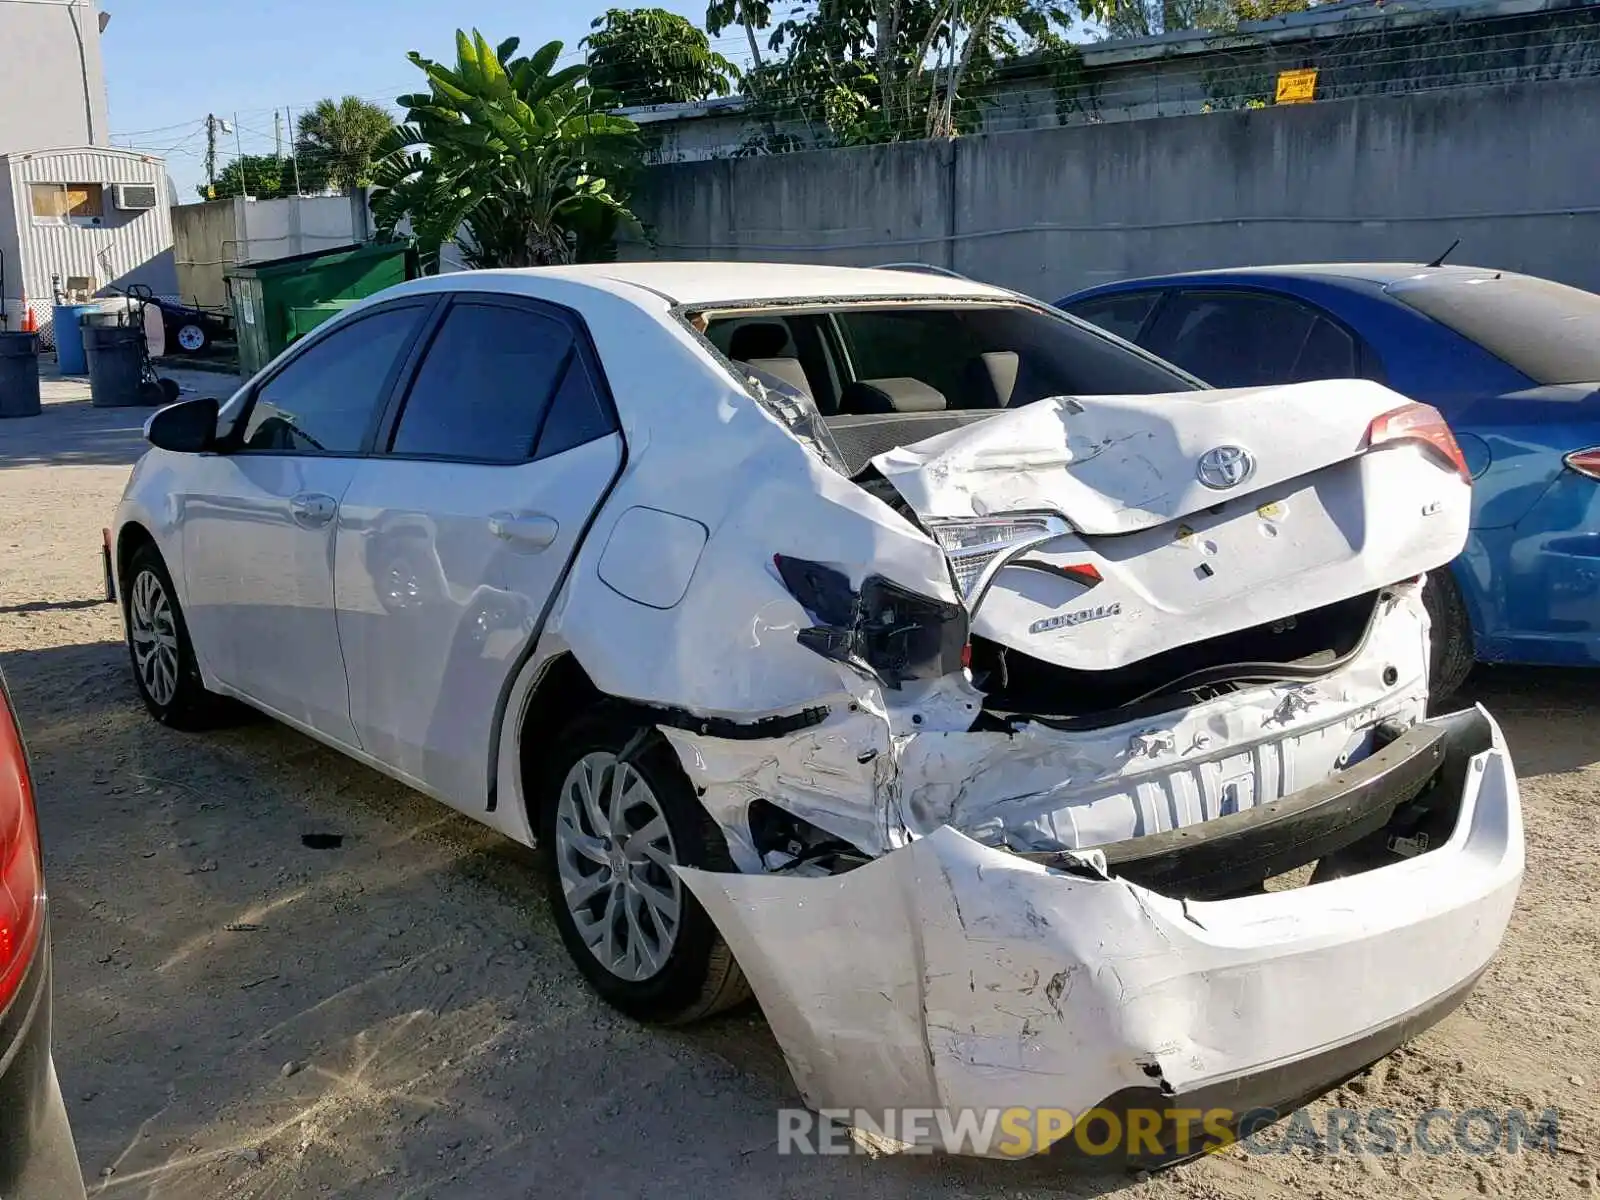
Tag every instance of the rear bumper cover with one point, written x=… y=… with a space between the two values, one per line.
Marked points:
x=38 y=1160
x=951 y=976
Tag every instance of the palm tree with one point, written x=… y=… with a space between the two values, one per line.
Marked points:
x=504 y=157
x=338 y=139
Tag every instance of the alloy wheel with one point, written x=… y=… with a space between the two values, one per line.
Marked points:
x=614 y=857
x=154 y=634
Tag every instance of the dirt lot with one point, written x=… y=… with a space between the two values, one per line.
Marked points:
x=241 y=1015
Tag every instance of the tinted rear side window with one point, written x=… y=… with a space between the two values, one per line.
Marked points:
x=1548 y=331
x=484 y=386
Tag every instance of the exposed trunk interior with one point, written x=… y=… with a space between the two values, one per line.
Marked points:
x=1304 y=646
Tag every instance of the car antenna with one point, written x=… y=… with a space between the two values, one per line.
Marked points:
x=1439 y=262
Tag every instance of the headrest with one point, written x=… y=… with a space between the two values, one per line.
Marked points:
x=759 y=339
x=901 y=394
x=993 y=378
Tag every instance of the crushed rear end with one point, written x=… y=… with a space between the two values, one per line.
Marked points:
x=1036 y=850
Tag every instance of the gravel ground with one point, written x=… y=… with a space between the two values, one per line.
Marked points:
x=240 y=1015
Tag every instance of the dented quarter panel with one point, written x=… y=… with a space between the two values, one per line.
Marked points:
x=950 y=975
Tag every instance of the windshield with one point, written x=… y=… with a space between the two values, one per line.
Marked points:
x=1548 y=331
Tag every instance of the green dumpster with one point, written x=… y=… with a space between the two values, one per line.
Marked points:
x=304 y=318
x=276 y=301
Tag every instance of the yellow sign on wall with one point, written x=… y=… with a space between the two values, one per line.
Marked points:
x=1298 y=86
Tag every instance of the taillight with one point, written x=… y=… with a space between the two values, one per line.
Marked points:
x=1585 y=462
x=21 y=872
x=1420 y=423
x=895 y=633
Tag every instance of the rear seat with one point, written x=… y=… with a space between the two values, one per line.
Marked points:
x=880 y=414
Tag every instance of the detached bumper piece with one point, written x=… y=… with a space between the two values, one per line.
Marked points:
x=951 y=976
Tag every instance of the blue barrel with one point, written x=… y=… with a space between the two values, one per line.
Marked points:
x=69 y=340
x=19 y=375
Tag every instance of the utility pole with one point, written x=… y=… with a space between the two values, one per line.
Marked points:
x=277 y=134
x=296 y=156
x=211 y=156
x=238 y=146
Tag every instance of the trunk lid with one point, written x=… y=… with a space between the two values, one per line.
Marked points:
x=1191 y=515
x=1117 y=464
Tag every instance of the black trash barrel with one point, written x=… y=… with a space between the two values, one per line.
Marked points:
x=19 y=375
x=116 y=359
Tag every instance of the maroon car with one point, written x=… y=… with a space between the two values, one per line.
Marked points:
x=37 y=1158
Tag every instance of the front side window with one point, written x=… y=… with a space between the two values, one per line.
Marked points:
x=485 y=385
x=327 y=398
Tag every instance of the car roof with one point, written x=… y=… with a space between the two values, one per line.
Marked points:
x=1378 y=275
x=701 y=283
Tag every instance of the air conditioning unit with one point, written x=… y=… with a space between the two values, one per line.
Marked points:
x=131 y=197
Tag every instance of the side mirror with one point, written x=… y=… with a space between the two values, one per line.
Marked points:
x=187 y=427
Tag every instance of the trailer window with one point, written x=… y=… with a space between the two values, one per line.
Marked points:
x=64 y=202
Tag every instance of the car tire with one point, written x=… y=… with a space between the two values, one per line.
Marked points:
x=190 y=337
x=678 y=969
x=1450 y=648
x=164 y=668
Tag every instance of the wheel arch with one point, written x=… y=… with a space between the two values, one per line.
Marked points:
x=130 y=538
x=551 y=690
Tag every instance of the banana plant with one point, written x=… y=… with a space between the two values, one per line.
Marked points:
x=514 y=161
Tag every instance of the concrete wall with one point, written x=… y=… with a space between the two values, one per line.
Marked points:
x=1513 y=172
x=203 y=238
x=49 y=96
x=212 y=236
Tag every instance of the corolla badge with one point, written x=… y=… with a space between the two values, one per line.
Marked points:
x=1067 y=620
x=1224 y=467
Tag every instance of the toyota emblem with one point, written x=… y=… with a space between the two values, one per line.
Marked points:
x=1224 y=467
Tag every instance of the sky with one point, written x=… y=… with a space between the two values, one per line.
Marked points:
x=170 y=62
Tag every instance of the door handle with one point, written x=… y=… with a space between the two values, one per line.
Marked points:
x=312 y=509
x=526 y=531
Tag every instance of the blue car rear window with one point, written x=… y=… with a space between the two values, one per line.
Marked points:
x=1548 y=331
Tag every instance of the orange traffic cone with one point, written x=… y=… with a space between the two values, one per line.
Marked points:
x=30 y=323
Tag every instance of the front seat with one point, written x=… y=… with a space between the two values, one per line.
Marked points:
x=761 y=344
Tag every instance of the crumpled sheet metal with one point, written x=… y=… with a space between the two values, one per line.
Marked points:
x=1116 y=464
x=871 y=776
x=950 y=975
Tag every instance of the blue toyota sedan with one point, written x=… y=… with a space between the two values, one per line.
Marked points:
x=1512 y=361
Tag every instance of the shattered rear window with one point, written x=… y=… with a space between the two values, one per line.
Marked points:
x=1548 y=331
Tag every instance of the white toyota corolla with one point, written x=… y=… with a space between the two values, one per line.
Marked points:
x=950 y=673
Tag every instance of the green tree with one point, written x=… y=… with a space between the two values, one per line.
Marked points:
x=752 y=14
x=506 y=157
x=262 y=176
x=1140 y=18
x=652 y=56
x=887 y=70
x=338 y=139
